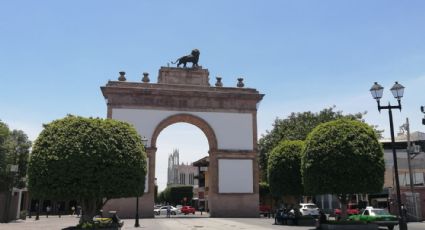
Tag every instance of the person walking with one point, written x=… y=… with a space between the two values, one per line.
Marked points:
x=73 y=210
x=79 y=211
x=168 y=210
x=59 y=210
x=47 y=211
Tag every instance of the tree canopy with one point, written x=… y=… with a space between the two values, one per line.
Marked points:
x=14 y=150
x=87 y=159
x=284 y=169
x=4 y=135
x=296 y=127
x=343 y=157
x=176 y=194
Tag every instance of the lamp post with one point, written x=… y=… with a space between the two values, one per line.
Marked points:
x=423 y=111
x=136 y=224
x=397 y=90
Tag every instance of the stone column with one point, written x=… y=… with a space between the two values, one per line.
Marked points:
x=147 y=201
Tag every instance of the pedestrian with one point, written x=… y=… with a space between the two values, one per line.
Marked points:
x=59 y=210
x=73 y=210
x=78 y=211
x=47 y=211
x=404 y=212
x=168 y=210
x=322 y=219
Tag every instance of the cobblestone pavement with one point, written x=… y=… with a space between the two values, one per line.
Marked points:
x=174 y=223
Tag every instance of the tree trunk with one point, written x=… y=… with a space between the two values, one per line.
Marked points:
x=344 y=202
x=88 y=210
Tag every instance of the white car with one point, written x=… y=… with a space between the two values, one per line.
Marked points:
x=309 y=209
x=163 y=210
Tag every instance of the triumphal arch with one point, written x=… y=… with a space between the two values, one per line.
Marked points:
x=226 y=115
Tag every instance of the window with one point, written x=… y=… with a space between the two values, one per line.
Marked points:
x=418 y=178
x=182 y=178
x=191 y=178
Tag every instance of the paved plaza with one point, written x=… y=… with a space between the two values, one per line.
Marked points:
x=196 y=222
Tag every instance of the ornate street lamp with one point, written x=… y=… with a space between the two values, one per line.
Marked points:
x=136 y=224
x=397 y=90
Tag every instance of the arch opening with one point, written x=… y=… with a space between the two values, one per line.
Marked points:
x=180 y=140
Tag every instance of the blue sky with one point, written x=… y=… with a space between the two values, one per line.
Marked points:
x=304 y=55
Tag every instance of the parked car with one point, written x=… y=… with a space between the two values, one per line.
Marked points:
x=352 y=209
x=265 y=210
x=309 y=209
x=187 y=209
x=163 y=210
x=378 y=216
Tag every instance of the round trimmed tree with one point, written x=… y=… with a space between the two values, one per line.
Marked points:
x=87 y=159
x=343 y=157
x=284 y=169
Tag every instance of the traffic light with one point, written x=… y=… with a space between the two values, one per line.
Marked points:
x=423 y=111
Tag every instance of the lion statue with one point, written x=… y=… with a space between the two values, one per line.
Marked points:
x=193 y=57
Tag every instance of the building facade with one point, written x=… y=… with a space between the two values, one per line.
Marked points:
x=180 y=173
x=200 y=194
x=414 y=202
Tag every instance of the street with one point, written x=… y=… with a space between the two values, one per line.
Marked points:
x=179 y=222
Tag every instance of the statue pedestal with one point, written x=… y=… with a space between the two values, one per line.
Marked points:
x=183 y=76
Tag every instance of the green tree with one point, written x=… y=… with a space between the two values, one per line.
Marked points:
x=18 y=147
x=296 y=127
x=284 y=169
x=4 y=136
x=264 y=189
x=88 y=159
x=14 y=150
x=343 y=157
x=176 y=194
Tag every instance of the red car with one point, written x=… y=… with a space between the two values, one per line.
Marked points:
x=351 y=210
x=188 y=209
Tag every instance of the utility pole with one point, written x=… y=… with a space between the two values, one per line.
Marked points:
x=409 y=151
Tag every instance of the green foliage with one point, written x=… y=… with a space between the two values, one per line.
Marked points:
x=19 y=146
x=4 y=135
x=176 y=194
x=343 y=157
x=100 y=223
x=161 y=197
x=296 y=127
x=264 y=189
x=14 y=150
x=284 y=169
x=87 y=159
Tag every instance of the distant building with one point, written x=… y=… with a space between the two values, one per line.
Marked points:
x=388 y=197
x=180 y=174
x=200 y=194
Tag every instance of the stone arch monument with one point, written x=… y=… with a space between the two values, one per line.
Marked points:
x=226 y=115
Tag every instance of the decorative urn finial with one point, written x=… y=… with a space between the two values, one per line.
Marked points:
x=218 y=83
x=240 y=83
x=145 y=78
x=122 y=76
